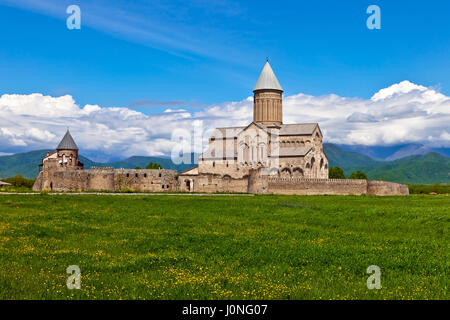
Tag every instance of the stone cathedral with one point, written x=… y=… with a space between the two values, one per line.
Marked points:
x=266 y=156
x=285 y=150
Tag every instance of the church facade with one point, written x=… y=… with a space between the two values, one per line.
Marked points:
x=267 y=156
x=284 y=150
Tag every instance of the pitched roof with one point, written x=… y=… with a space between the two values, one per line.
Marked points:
x=294 y=152
x=67 y=143
x=4 y=183
x=267 y=79
x=297 y=129
x=285 y=130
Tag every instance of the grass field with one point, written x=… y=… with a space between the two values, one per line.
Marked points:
x=229 y=247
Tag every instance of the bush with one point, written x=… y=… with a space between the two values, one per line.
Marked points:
x=20 y=181
x=336 y=173
x=358 y=175
x=152 y=165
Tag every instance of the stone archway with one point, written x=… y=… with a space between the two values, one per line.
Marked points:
x=297 y=172
x=286 y=172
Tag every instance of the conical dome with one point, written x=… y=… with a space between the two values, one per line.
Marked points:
x=67 y=143
x=267 y=79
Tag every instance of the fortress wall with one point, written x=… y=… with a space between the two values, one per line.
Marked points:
x=316 y=186
x=37 y=186
x=66 y=180
x=109 y=179
x=212 y=183
x=148 y=180
x=105 y=179
x=101 y=179
x=384 y=188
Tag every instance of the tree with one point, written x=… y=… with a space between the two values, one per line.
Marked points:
x=152 y=165
x=358 y=175
x=20 y=181
x=138 y=168
x=336 y=173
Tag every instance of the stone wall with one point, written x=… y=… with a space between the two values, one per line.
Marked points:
x=212 y=183
x=105 y=179
x=316 y=186
x=109 y=179
x=384 y=188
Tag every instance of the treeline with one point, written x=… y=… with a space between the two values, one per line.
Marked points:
x=338 y=173
x=151 y=165
x=20 y=181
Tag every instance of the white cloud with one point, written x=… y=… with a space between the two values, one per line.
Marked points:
x=402 y=113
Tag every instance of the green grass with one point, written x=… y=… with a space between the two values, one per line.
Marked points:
x=261 y=247
x=429 y=188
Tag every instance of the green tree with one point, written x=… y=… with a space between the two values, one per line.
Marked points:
x=152 y=165
x=336 y=173
x=358 y=175
x=138 y=168
x=20 y=181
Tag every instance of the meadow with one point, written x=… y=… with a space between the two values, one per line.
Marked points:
x=224 y=247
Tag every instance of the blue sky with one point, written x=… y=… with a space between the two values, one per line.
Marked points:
x=202 y=52
x=139 y=70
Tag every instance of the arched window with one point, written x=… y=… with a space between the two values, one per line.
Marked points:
x=297 y=172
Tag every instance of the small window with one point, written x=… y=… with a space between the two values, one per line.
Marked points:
x=145 y=175
x=137 y=175
x=128 y=175
x=167 y=186
x=160 y=174
x=162 y=186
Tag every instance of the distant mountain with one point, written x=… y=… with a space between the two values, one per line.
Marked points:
x=421 y=169
x=27 y=163
x=390 y=153
x=344 y=159
x=426 y=169
x=409 y=150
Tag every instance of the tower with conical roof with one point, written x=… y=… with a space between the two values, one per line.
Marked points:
x=267 y=99
x=67 y=151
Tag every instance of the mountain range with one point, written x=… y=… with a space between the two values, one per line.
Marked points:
x=429 y=168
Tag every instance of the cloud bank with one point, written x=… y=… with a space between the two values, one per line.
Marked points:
x=402 y=113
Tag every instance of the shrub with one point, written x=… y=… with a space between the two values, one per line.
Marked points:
x=152 y=165
x=358 y=175
x=336 y=173
x=20 y=181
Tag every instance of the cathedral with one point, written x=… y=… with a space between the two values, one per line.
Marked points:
x=265 y=157
x=278 y=149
